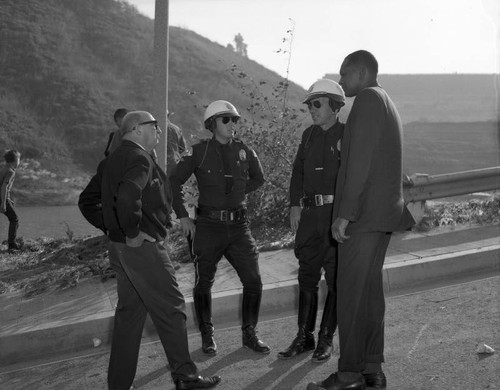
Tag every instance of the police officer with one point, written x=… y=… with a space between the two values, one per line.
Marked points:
x=226 y=170
x=312 y=189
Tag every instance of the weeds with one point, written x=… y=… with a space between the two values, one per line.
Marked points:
x=273 y=131
x=472 y=212
x=70 y=234
x=57 y=264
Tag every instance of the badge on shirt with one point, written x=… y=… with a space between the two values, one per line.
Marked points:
x=243 y=155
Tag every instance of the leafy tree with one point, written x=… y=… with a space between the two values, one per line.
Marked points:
x=241 y=47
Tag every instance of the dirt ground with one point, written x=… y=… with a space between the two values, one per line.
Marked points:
x=444 y=328
x=431 y=343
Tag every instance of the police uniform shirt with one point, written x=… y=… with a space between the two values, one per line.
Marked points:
x=317 y=163
x=221 y=187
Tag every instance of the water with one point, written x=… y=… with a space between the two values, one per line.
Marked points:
x=48 y=221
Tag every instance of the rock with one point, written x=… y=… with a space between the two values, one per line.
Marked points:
x=484 y=349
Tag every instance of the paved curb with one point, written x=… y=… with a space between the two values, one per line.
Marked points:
x=278 y=298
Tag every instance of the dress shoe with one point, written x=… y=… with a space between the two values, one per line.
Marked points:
x=196 y=382
x=333 y=382
x=252 y=341
x=376 y=380
x=208 y=345
x=324 y=349
x=304 y=342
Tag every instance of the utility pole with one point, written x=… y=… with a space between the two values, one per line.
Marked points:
x=160 y=76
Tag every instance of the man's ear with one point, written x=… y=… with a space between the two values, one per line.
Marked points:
x=362 y=72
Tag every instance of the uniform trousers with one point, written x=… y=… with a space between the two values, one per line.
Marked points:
x=360 y=301
x=214 y=239
x=315 y=248
x=146 y=283
x=11 y=215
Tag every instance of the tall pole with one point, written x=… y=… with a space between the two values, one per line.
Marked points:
x=160 y=76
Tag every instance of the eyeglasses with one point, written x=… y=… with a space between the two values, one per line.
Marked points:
x=226 y=119
x=154 y=123
x=315 y=103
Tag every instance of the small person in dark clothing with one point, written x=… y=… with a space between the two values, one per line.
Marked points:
x=7 y=175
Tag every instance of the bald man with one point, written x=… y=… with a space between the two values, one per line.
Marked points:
x=136 y=204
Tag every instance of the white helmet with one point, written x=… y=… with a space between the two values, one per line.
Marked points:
x=218 y=108
x=325 y=87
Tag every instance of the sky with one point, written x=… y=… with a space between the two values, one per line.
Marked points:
x=306 y=39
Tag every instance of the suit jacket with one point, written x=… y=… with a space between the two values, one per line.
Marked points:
x=369 y=189
x=136 y=195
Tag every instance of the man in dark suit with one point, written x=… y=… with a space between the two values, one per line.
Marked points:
x=136 y=207
x=368 y=208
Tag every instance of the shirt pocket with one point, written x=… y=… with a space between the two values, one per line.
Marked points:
x=209 y=175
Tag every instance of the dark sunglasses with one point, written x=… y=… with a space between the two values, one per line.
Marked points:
x=154 y=123
x=315 y=103
x=226 y=119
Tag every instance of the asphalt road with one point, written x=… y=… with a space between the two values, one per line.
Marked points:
x=431 y=342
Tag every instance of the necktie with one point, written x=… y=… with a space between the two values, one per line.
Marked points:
x=226 y=166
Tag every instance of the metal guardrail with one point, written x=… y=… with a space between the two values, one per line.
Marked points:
x=420 y=187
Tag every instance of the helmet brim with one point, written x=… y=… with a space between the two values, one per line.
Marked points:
x=332 y=96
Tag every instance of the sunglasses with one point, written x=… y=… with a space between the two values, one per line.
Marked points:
x=315 y=103
x=154 y=123
x=227 y=119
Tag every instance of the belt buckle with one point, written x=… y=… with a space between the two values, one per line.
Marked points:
x=223 y=215
x=318 y=200
x=328 y=198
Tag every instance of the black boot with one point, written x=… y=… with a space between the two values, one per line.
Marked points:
x=327 y=328
x=304 y=341
x=250 y=317
x=203 y=308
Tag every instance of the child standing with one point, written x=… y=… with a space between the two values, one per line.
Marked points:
x=7 y=174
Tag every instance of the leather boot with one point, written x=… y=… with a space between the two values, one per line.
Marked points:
x=203 y=309
x=304 y=341
x=327 y=328
x=250 y=317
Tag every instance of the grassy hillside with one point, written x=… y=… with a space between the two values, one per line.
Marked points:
x=66 y=65
x=437 y=148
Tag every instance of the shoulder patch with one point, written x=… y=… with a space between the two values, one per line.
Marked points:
x=187 y=152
